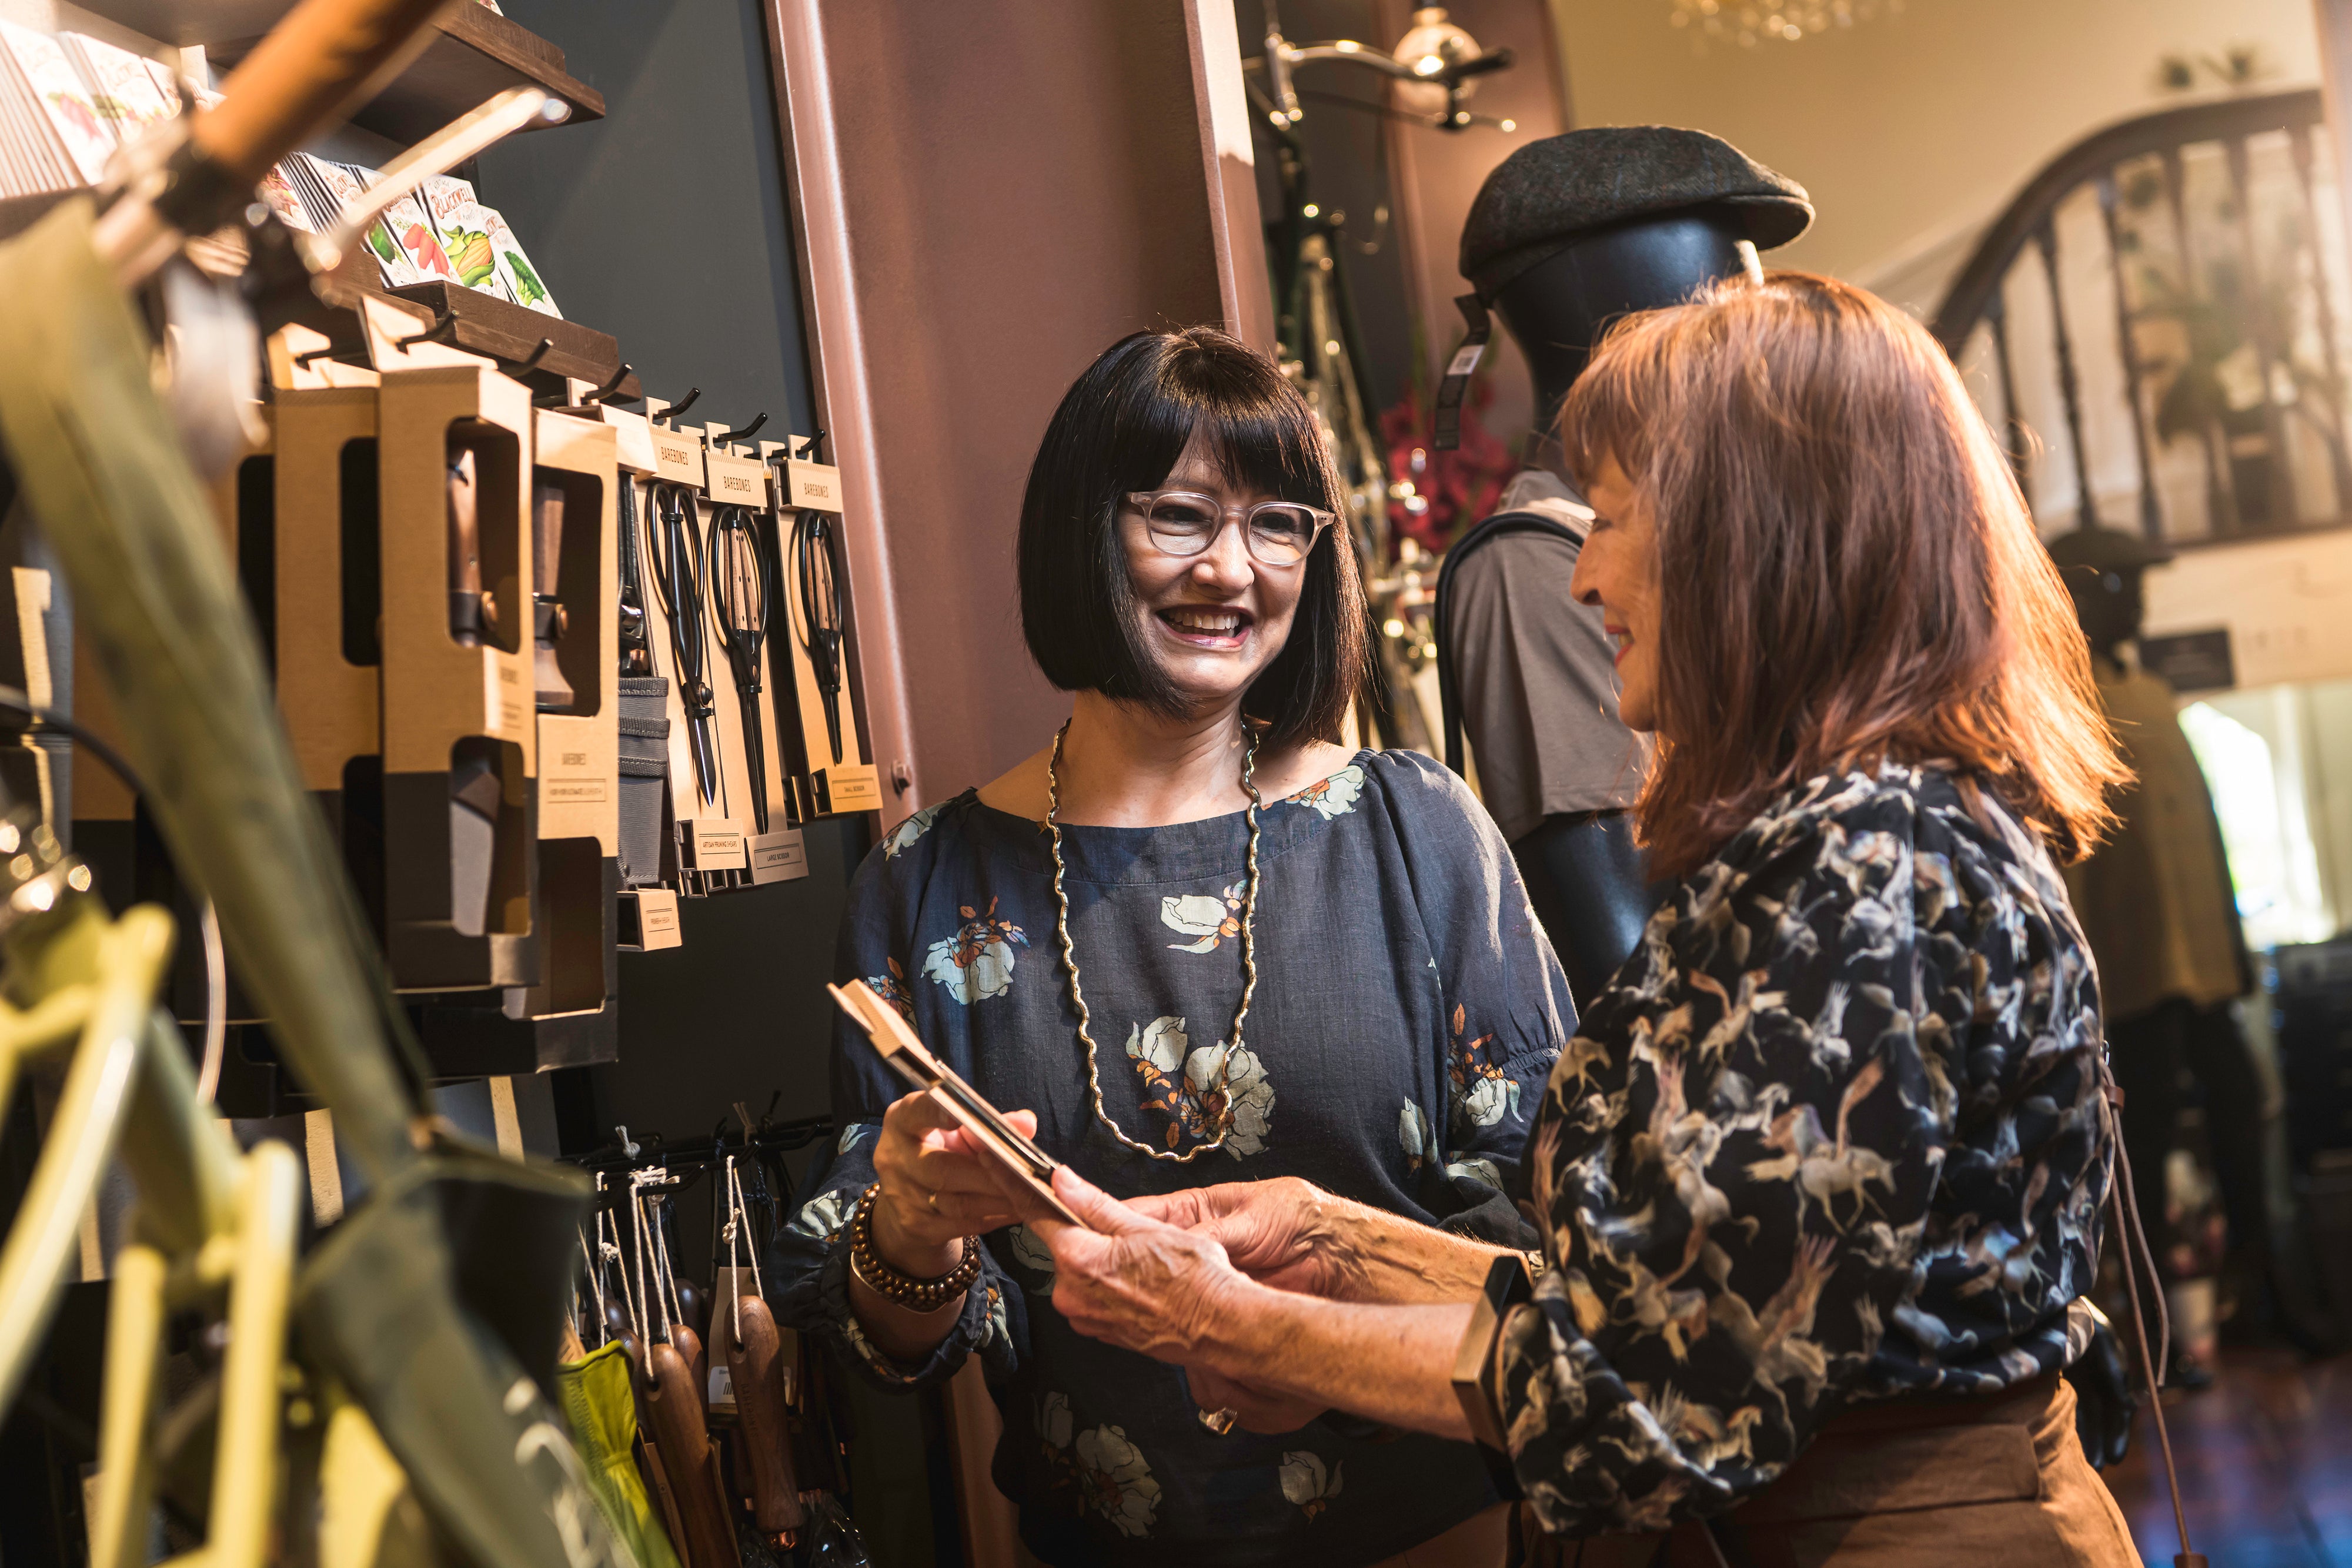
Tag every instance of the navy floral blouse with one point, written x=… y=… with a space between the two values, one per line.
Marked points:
x=1409 y=1010
x=1834 y=1134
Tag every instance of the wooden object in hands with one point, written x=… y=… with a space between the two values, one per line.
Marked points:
x=1024 y=1161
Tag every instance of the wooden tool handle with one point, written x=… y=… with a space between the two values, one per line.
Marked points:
x=684 y=1444
x=323 y=57
x=546 y=538
x=755 y=1363
x=697 y=1365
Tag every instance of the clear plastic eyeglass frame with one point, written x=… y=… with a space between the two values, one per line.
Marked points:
x=1142 y=502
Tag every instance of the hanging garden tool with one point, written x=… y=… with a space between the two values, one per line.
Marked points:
x=817 y=580
x=756 y=1366
x=676 y=560
x=674 y=1410
x=740 y=575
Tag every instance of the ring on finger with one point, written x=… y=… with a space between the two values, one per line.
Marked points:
x=933 y=1197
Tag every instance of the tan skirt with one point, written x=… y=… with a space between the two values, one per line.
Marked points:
x=1999 y=1482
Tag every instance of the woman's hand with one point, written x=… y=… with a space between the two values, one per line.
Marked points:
x=1293 y=1236
x=1134 y=1282
x=1280 y=1357
x=1286 y=1232
x=936 y=1188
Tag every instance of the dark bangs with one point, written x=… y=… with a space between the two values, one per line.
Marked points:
x=1121 y=428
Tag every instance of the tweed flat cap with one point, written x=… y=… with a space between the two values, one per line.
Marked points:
x=1554 y=190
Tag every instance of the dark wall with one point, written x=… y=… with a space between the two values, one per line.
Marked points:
x=664 y=224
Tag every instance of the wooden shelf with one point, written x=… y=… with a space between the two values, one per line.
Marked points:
x=485 y=324
x=476 y=53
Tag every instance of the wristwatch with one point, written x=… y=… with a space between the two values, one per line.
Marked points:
x=1508 y=1284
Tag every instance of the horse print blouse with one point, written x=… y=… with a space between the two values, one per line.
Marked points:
x=1834 y=1133
x=1408 y=1011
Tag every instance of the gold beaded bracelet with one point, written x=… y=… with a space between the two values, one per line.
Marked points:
x=917 y=1295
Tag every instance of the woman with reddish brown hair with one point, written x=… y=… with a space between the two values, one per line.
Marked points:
x=1820 y=1175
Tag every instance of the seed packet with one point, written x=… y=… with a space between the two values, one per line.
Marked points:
x=65 y=103
x=463 y=233
x=515 y=270
x=31 y=160
x=121 y=88
x=413 y=233
x=391 y=261
x=167 y=82
x=277 y=190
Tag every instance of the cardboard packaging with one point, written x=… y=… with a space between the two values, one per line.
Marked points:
x=571 y=1016
x=460 y=730
x=838 y=777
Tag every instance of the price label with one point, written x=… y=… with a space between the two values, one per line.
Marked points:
x=656 y=910
x=633 y=440
x=841 y=791
x=734 y=481
x=816 y=487
x=715 y=846
x=677 y=456
x=778 y=857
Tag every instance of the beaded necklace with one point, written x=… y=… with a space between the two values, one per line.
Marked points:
x=1070 y=958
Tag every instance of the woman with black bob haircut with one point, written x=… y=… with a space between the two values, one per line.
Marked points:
x=1205 y=943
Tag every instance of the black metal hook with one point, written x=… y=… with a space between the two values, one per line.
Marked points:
x=674 y=409
x=811 y=448
x=612 y=389
x=546 y=345
x=745 y=434
x=442 y=323
x=329 y=353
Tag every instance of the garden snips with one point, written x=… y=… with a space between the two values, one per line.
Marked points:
x=676 y=562
x=819 y=623
x=740 y=575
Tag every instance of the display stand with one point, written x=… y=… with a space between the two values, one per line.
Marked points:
x=572 y=1017
x=460 y=736
x=328 y=600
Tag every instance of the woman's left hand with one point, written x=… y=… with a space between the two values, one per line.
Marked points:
x=1134 y=1282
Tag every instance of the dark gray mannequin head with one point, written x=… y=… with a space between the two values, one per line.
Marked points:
x=1571 y=231
x=1558 y=309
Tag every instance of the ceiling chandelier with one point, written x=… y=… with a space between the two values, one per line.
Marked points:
x=1787 y=21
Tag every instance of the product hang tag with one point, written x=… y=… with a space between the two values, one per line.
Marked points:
x=1458 y=371
x=677 y=455
x=649 y=920
x=852 y=787
x=779 y=856
x=713 y=844
x=633 y=439
x=734 y=481
x=506 y=704
x=813 y=486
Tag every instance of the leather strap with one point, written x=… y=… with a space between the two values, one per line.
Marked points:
x=2133 y=1256
x=1449 y=679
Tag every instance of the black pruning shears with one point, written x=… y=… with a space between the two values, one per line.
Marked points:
x=740 y=575
x=675 y=559
x=818 y=582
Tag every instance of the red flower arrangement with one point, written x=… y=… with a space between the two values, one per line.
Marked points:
x=1451 y=490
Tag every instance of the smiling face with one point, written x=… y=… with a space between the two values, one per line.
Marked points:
x=1211 y=621
x=1618 y=571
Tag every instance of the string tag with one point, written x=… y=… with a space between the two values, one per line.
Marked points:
x=1459 y=369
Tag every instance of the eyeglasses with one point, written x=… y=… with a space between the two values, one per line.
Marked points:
x=1186 y=523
